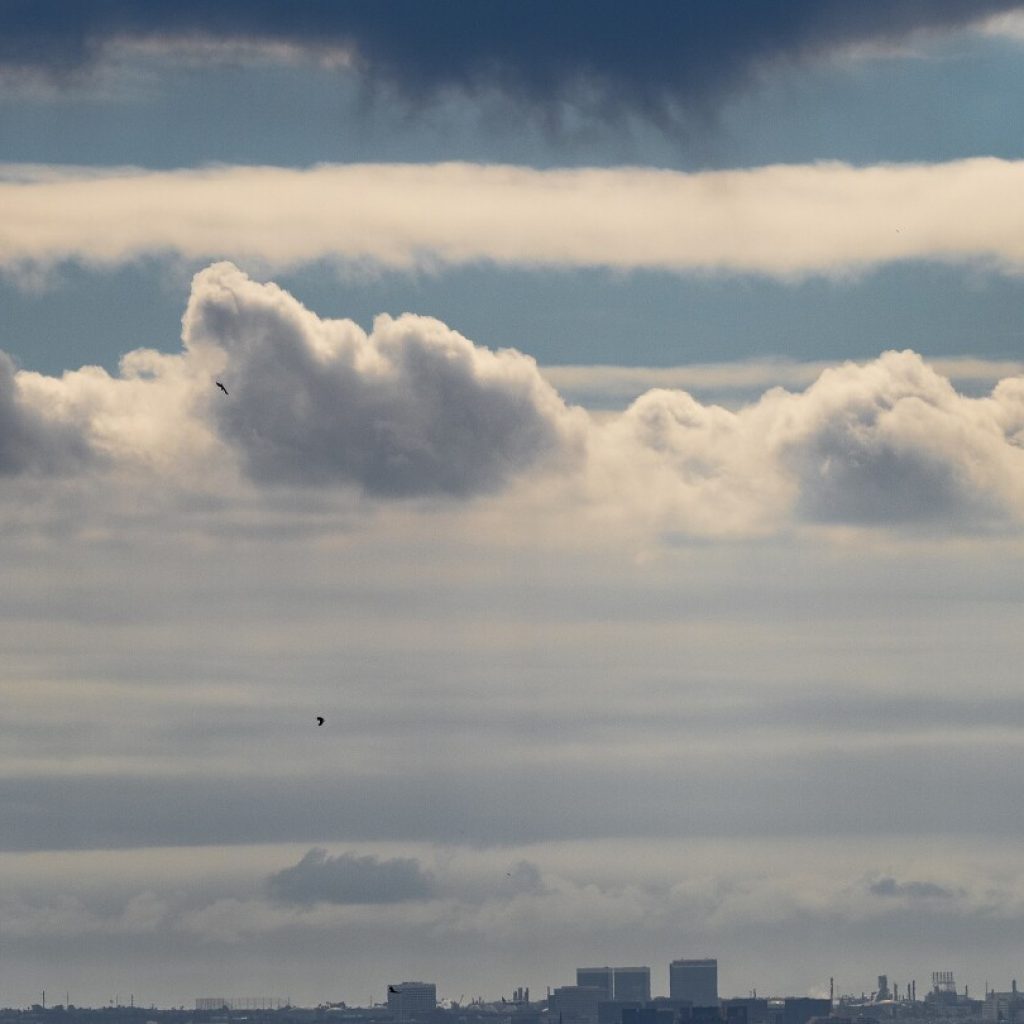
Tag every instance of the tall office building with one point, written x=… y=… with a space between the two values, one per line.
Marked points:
x=621 y=984
x=631 y=984
x=596 y=977
x=694 y=980
x=575 y=1004
x=412 y=999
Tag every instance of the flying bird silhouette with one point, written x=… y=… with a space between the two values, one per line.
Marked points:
x=391 y=988
x=320 y=720
x=221 y=386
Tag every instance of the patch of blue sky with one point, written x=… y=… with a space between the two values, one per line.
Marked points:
x=948 y=100
x=939 y=103
x=559 y=317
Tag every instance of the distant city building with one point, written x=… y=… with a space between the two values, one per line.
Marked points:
x=753 y=1009
x=648 y=1015
x=694 y=980
x=681 y=1008
x=210 y=1003
x=576 y=1003
x=800 y=1009
x=597 y=977
x=1003 y=1007
x=610 y=1012
x=621 y=984
x=631 y=984
x=703 y=1015
x=410 y=999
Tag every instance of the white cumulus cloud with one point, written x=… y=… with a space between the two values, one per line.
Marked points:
x=887 y=442
x=412 y=409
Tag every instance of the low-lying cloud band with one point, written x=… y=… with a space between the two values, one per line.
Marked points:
x=785 y=221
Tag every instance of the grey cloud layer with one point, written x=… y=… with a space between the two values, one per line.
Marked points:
x=669 y=57
x=890 y=888
x=348 y=878
x=639 y=897
x=413 y=409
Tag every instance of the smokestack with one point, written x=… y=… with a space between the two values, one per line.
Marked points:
x=832 y=991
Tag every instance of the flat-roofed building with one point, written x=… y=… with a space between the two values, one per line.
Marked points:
x=750 y=1007
x=695 y=980
x=575 y=1003
x=650 y=1015
x=410 y=999
x=631 y=984
x=597 y=977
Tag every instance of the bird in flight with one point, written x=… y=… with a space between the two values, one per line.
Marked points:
x=221 y=386
x=320 y=720
x=391 y=988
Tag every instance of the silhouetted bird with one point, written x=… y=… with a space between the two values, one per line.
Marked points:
x=319 y=720
x=391 y=988
x=221 y=386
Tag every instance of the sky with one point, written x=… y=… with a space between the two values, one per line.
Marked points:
x=622 y=451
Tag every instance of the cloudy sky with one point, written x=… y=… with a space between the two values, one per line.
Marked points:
x=623 y=451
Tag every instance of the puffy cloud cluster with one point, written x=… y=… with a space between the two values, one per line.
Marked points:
x=890 y=442
x=413 y=409
x=32 y=438
x=889 y=888
x=893 y=442
x=348 y=878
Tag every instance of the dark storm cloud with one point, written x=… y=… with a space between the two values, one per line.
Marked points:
x=889 y=887
x=347 y=878
x=651 y=58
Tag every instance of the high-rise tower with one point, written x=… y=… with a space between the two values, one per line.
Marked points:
x=694 y=980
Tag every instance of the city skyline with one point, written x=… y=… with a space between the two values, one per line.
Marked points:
x=942 y=988
x=943 y=984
